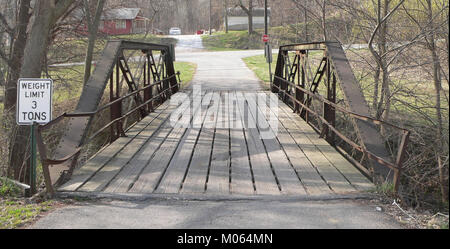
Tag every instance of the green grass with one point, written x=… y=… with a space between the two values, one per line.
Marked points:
x=68 y=82
x=187 y=71
x=260 y=67
x=15 y=213
x=9 y=189
x=233 y=40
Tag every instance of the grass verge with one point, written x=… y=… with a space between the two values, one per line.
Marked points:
x=260 y=67
x=16 y=213
x=187 y=71
x=233 y=40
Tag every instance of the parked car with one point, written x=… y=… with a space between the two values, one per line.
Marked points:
x=175 y=31
x=200 y=32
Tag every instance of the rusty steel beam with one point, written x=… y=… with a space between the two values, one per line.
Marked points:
x=354 y=98
x=304 y=46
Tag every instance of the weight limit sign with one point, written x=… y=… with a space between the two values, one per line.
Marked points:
x=34 y=101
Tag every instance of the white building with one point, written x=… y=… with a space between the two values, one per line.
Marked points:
x=238 y=19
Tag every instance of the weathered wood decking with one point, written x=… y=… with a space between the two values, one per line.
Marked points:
x=220 y=153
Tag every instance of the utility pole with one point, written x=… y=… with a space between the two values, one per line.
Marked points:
x=209 y=17
x=265 y=17
x=267 y=47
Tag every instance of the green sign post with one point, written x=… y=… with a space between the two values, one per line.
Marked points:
x=33 y=159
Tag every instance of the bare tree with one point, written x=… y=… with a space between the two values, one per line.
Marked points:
x=380 y=30
x=225 y=5
x=92 y=24
x=46 y=14
x=428 y=22
x=18 y=34
x=317 y=13
x=249 y=11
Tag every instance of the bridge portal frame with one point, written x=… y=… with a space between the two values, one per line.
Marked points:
x=334 y=70
x=159 y=83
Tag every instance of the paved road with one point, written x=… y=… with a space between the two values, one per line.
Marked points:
x=223 y=70
x=218 y=214
x=218 y=70
x=188 y=43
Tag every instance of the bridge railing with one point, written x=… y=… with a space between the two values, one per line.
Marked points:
x=153 y=82
x=302 y=94
x=326 y=127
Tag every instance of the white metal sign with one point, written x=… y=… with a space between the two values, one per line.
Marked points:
x=34 y=101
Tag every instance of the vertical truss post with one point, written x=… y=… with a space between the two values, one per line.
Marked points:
x=144 y=72
x=285 y=75
x=150 y=89
x=278 y=72
x=302 y=79
x=329 y=111
x=112 y=108
x=117 y=107
x=297 y=92
x=147 y=81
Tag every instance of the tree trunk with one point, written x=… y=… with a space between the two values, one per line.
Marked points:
x=431 y=40
x=225 y=2
x=46 y=13
x=324 y=30
x=249 y=12
x=18 y=47
x=384 y=103
x=376 y=80
x=92 y=29
x=250 y=17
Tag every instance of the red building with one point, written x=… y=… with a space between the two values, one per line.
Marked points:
x=120 y=21
x=123 y=21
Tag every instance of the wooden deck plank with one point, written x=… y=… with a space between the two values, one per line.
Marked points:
x=149 y=179
x=301 y=132
x=305 y=170
x=81 y=175
x=103 y=177
x=356 y=178
x=265 y=182
x=287 y=178
x=218 y=179
x=161 y=158
x=195 y=181
x=130 y=172
x=172 y=179
x=241 y=176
